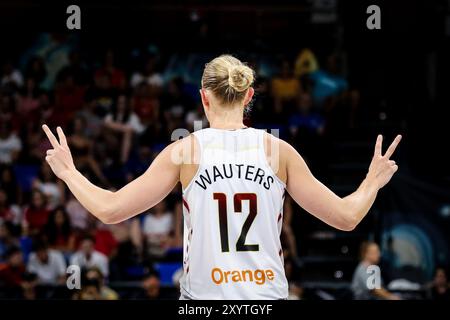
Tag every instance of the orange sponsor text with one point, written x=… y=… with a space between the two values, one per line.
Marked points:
x=258 y=276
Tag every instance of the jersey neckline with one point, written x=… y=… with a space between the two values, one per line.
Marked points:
x=231 y=130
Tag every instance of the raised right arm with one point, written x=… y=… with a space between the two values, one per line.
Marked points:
x=342 y=213
x=113 y=207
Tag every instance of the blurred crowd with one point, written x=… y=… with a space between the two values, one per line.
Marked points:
x=117 y=118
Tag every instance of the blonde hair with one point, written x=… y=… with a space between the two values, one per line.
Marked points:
x=228 y=78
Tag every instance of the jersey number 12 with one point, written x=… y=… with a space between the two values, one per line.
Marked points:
x=223 y=219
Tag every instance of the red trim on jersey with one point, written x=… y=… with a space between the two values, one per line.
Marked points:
x=186 y=205
x=279 y=217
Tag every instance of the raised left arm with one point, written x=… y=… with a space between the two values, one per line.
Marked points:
x=342 y=213
x=113 y=207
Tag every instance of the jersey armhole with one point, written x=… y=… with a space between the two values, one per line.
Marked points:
x=264 y=155
x=200 y=161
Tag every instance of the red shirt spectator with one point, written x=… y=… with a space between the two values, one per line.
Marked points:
x=69 y=98
x=6 y=214
x=116 y=75
x=105 y=241
x=145 y=104
x=36 y=215
x=11 y=272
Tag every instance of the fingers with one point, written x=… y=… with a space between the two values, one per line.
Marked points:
x=392 y=147
x=378 y=145
x=50 y=136
x=49 y=155
x=62 y=138
x=393 y=165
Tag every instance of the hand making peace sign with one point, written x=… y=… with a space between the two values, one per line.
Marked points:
x=381 y=168
x=59 y=158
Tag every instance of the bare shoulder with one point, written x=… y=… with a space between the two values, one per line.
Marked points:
x=274 y=145
x=277 y=152
x=184 y=151
x=188 y=152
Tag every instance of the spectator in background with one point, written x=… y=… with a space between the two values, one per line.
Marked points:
x=128 y=236
x=105 y=242
x=8 y=212
x=87 y=257
x=29 y=100
x=36 y=215
x=285 y=89
x=69 y=98
x=305 y=63
x=48 y=264
x=370 y=255
x=138 y=164
x=7 y=239
x=174 y=104
x=106 y=293
x=8 y=110
x=152 y=287
x=175 y=99
x=116 y=76
x=157 y=228
x=75 y=69
x=101 y=95
x=307 y=128
x=58 y=231
x=305 y=119
x=11 y=78
x=79 y=217
x=13 y=269
x=327 y=82
x=36 y=70
x=90 y=290
x=146 y=104
x=82 y=150
x=94 y=122
x=123 y=123
x=439 y=289
x=264 y=102
x=29 y=283
x=8 y=182
x=10 y=144
x=50 y=186
x=149 y=76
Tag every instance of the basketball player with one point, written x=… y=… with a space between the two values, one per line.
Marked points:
x=234 y=180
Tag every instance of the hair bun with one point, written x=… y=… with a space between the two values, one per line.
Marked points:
x=228 y=78
x=240 y=77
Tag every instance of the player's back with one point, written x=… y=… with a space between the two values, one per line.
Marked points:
x=233 y=211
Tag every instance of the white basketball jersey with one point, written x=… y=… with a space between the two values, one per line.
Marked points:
x=233 y=212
